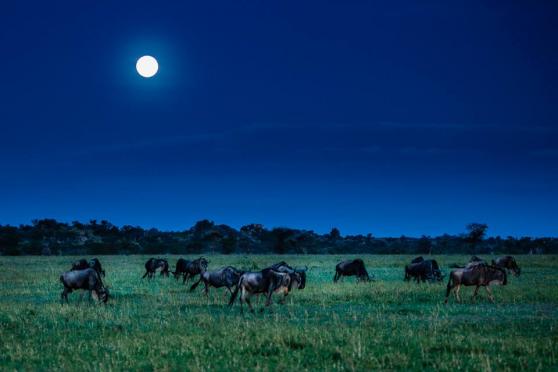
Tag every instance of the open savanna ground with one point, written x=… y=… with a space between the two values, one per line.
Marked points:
x=385 y=324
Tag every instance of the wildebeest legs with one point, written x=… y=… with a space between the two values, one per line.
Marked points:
x=457 y=288
x=476 y=292
x=195 y=285
x=489 y=293
x=64 y=295
x=337 y=276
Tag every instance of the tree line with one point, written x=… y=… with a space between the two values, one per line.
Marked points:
x=51 y=237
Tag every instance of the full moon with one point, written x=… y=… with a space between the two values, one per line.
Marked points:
x=147 y=66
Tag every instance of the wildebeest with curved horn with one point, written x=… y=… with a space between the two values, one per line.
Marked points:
x=88 y=280
x=351 y=268
x=423 y=270
x=224 y=277
x=153 y=264
x=83 y=264
x=266 y=281
x=508 y=263
x=479 y=275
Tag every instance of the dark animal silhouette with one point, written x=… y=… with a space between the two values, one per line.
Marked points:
x=417 y=259
x=83 y=264
x=180 y=269
x=153 y=264
x=266 y=282
x=299 y=281
x=508 y=263
x=479 y=275
x=193 y=268
x=351 y=268
x=423 y=270
x=95 y=264
x=87 y=279
x=224 y=277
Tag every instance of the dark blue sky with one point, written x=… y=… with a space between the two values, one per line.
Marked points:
x=398 y=118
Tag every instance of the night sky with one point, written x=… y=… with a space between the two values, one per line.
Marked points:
x=397 y=118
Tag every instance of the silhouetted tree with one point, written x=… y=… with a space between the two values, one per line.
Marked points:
x=425 y=245
x=334 y=234
x=475 y=234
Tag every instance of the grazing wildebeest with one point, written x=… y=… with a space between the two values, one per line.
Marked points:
x=94 y=263
x=299 y=281
x=224 y=277
x=266 y=281
x=423 y=270
x=480 y=275
x=87 y=279
x=508 y=263
x=351 y=268
x=417 y=259
x=153 y=264
x=193 y=268
x=180 y=269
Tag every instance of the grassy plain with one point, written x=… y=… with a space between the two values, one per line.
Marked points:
x=386 y=324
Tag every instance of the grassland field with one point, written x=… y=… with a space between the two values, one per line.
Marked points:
x=387 y=324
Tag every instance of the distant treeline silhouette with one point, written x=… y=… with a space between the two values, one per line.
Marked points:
x=50 y=237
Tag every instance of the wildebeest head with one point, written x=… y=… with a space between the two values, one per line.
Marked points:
x=201 y=263
x=496 y=275
x=103 y=294
x=509 y=263
x=301 y=276
x=164 y=264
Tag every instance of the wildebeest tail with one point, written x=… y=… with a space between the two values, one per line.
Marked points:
x=503 y=271
x=235 y=293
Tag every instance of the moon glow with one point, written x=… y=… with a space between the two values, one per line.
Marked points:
x=147 y=66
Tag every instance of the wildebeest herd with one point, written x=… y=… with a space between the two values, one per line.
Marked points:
x=281 y=278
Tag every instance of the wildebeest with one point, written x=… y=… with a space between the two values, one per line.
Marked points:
x=83 y=264
x=189 y=269
x=508 y=263
x=423 y=270
x=351 y=268
x=299 y=281
x=224 y=277
x=153 y=264
x=417 y=259
x=479 y=275
x=266 y=281
x=87 y=279
x=180 y=268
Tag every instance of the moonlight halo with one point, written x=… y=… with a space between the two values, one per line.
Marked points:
x=147 y=66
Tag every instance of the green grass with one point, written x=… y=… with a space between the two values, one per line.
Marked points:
x=387 y=324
